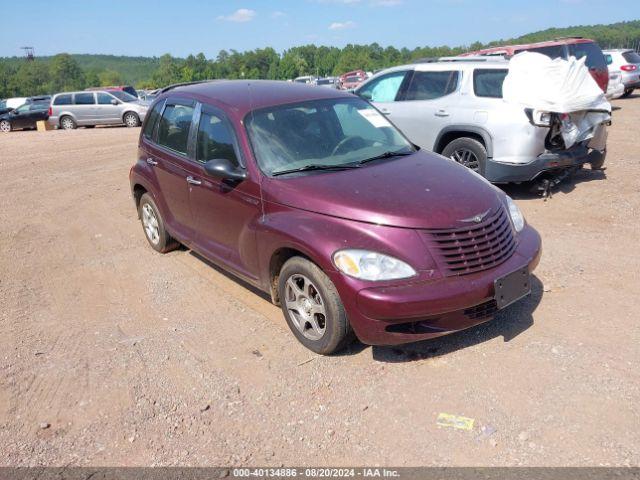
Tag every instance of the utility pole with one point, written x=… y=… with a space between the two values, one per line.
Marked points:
x=29 y=53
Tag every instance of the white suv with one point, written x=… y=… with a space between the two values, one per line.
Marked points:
x=627 y=61
x=454 y=107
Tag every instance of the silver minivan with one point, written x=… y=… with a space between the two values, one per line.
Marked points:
x=70 y=110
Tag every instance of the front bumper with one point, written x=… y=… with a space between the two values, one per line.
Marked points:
x=422 y=310
x=497 y=172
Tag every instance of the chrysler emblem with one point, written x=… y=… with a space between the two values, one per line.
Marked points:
x=476 y=218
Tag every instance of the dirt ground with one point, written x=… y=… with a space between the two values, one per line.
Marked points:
x=111 y=354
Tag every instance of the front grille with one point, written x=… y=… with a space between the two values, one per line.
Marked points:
x=482 y=311
x=474 y=248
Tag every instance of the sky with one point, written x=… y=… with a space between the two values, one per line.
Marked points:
x=181 y=27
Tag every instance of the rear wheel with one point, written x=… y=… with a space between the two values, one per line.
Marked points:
x=131 y=119
x=627 y=93
x=153 y=226
x=67 y=123
x=5 y=126
x=468 y=152
x=312 y=307
x=599 y=163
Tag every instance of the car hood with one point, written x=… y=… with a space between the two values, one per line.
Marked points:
x=423 y=190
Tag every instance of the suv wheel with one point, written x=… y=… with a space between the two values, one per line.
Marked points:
x=131 y=119
x=5 y=126
x=468 y=152
x=67 y=123
x=312 y=307
x=153 y=226
x=627 y=93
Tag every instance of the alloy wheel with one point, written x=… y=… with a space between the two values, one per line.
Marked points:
x=305 y=306
x=5 y=126
x=67 y=123
x=130 y=120
x=466 y=158
x=150 y=224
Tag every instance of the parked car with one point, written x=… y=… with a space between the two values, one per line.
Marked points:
x=307 y=79
x=577 y=47
x=351 y=80
x=314 y=197
x=121 y=88
x=628 y=62
x=3 y=107
x=70 y=110
x=615 y=89
x=25 y=116
x=455 y=108
x=328 y=82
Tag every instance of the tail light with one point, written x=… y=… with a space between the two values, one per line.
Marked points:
x=50 y=112
x=629 y=68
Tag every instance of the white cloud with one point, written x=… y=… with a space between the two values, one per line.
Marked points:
x=342 y=25
x=240 y=15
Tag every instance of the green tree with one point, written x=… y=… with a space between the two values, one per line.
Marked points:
x=65 y=73
x=109 y=78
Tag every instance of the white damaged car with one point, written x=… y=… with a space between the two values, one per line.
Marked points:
x=553 y=123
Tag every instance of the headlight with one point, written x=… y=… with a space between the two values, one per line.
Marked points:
x=368 y=265
x=516 y=215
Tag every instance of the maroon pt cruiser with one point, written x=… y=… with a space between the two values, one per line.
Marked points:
x=313 y=196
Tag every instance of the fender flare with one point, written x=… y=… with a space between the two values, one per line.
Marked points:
x=464 y=128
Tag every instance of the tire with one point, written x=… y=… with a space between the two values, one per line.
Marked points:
x=68 y=123
x=131 y=119
x=627 y=93
x=468 y=152
x=597 y=165
x=154 y=231
x=314 y=312
x=5 y=126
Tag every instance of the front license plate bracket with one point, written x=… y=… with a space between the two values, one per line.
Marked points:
x=512 y=287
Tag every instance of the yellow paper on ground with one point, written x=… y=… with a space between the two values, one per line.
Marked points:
x=455 y=421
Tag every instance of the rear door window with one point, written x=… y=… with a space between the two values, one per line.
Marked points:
x=631 y=57
x=383 y=89
x=215 y=139
x=431 y=85
x=84 y=99
x=63 y=99
x=488 y=82
x=595 y=58
x=173 y=130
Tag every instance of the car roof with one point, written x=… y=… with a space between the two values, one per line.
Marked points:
x=244 y=96
x=526 y=46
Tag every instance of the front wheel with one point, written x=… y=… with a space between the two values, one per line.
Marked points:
x=468 y=152
x=312 y=307
x=131 y=119
x=5 y=126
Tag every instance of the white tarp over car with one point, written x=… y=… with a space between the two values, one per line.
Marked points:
x=558 y=86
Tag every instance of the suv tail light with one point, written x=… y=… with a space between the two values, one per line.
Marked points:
x=50 y=112
x=629 y=68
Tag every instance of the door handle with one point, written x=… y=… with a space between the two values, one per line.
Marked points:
x=442 y=113
x=152 y=162
x=193 y=181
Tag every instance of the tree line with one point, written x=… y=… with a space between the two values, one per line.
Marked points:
x=63 y=72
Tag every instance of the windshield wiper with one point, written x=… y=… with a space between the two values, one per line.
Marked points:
x=388 y=154
x=311 y=167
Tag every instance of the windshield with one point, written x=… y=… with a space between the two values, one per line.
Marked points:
x=631 y=57
x=124 y=96
x=352 y=79
x=3 y=104
x=333 y=132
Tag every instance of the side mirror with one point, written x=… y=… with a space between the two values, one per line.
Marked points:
x=114 y=102
x=224 y=169
x=365 y=95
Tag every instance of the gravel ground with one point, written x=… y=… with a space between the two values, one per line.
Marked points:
x=111 y=354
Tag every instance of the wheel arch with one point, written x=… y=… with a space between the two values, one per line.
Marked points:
x=453 y=132
x=277 y=260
